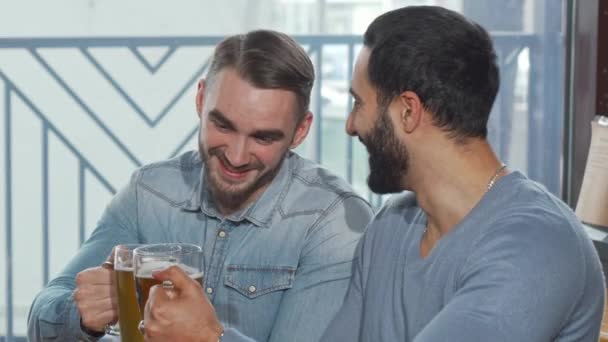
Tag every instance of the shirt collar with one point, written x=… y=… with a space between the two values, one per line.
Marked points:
x=259 y=212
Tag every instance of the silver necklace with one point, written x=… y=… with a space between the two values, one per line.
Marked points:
x=496 y=174
x=488 y=187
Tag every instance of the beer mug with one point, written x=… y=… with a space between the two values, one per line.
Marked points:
x=150 y=258
x=128 y=313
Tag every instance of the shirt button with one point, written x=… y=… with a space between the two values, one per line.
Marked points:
x=209 y=290
x=222 y=234
x=252 y=289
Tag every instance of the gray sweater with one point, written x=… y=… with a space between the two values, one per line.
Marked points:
x=519 y=267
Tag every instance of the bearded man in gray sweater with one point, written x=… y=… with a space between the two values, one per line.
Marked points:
x=476 y=251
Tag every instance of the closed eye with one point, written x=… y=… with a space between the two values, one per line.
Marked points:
x=221 y=126
x=267 y=137
x=265 y=140
x=357 y=103
x=220 y=121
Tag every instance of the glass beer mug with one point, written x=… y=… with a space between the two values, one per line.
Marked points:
x=128 y=313
x=150 y=258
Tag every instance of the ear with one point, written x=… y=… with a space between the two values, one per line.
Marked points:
x=302 y=130
x=200 y=94
x=410 y=110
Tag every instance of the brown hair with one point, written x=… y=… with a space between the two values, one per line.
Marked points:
x=269 y=60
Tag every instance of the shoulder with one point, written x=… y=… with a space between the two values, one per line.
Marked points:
x=172 y=179
x=528 y=208
x=314 y=188
x=530 y=244
x=529 y=226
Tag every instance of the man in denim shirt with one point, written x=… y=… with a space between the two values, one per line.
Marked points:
x=278 y=231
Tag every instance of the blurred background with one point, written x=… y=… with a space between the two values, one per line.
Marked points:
x=92 y=89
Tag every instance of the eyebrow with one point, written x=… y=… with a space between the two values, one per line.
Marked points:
x=218 y=116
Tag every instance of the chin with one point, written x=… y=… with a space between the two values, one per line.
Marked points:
x=230 y=187
x=380 y=184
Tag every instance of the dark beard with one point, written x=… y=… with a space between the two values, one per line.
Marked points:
x=233 y=200
x=388 y=157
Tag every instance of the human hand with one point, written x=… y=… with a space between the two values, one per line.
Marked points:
x=95 y=296
x=182 y=313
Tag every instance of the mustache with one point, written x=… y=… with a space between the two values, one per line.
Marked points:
x=255 y=165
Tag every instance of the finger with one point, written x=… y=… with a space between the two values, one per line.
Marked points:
x=181 y=281
x=109 y=302
x=93 y=310
x=154 y=311
x=109 y=317
x=108 y=265
x=156 y=299
x=97 y=320
x=110 y=258
x=152 y=332
x=91 y=293
x=96 y=291
x=95 y=276
x=97 y=306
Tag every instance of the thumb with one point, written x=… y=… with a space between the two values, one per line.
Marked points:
x=109 y=263
x=181 y=281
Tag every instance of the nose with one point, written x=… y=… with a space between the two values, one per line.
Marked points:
x=237 y=152
x=350 y=126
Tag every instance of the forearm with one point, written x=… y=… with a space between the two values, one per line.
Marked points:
x=346 y=323
x=54 y=315
x=307 y=312
x=324 y=273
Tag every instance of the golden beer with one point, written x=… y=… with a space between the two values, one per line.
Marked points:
x=128 y=313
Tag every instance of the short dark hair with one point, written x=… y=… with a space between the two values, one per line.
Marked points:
x=268 y=60
x=446 y=59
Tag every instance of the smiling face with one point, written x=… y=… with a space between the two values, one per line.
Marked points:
x=371 y=123
x=244 y=136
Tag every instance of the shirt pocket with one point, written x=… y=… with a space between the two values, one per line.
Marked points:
x=255 y=281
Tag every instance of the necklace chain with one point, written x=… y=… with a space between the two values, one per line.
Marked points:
x=496 y=174
x=488 y=187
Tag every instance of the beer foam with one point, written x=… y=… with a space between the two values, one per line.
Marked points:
x=123 y=268
x=146 y=270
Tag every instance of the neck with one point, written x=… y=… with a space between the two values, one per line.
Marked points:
x=451 y=181
x=229 y=209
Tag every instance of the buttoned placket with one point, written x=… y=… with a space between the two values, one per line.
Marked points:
x=218 y=255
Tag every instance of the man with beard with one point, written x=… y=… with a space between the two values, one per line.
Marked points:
x=475 y=251
x=278 y=232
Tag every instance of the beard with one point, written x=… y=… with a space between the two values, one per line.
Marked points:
x=388 y=157
x=234 y=195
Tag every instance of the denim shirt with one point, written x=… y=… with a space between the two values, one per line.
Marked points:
x=275 y=271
